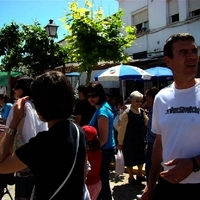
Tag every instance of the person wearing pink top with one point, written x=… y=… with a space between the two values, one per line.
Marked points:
x=93 y=181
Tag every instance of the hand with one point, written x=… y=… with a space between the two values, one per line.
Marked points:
x=18 y=112
x=146 y=195
x=119 y=147
x=181 y=170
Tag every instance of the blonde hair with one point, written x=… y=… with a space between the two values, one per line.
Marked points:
x=136 y=95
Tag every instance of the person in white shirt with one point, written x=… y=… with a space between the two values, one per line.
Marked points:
x=176 y=116
x=28 y=127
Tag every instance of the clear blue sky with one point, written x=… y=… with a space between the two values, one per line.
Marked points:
x=28 y=11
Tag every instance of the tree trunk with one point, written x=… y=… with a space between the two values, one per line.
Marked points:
x=88 y=77
x=9 y=84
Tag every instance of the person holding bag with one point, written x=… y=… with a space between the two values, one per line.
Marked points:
x=131 y=137
x=102 y=120
x=51 y=154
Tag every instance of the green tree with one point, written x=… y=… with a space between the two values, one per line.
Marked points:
x=94 y=38
x=28 y=47
x=37 y=50
x=10 y=49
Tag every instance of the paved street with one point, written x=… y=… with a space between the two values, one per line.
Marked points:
x=121 y=189
x=119 y=184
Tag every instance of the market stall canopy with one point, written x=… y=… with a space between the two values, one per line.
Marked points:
x=72 y=74
x=123 y=72
x=4 y=77
x=161 y=73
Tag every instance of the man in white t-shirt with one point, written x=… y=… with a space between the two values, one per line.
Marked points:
x=176 y=122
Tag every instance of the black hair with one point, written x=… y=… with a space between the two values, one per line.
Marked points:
x=97 y=88
x=6 y=98
x=83 y=89
x=24 y=83
x=168 y=47
x=152 y=92
x=53 y=95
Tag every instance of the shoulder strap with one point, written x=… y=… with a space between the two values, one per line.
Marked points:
x=77 y=146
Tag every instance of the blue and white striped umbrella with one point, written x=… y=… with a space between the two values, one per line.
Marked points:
x=123 y=72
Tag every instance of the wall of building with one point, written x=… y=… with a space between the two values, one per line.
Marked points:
x=153 y=40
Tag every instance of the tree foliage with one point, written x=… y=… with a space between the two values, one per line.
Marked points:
x=11 y=46
x=94 y=38
x=28 y=46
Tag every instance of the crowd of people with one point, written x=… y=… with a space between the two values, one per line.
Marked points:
x=55 y=155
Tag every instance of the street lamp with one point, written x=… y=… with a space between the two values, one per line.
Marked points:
x=51 y=30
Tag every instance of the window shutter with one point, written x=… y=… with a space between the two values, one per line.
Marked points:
x=140 y=17
x=194 y=5
x=173 y=7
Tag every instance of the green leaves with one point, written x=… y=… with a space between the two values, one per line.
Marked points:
x=29 y=46
x=94 y=38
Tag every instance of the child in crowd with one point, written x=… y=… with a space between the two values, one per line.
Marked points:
x=93 y=181
x=6 y=105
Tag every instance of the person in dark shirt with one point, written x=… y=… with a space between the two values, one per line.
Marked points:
x=83 y=110
x=51 y=154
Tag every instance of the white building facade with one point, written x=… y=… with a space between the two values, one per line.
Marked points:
x=156 y=20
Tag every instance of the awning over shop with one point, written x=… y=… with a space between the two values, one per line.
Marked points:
x=4 y=77
x=72 y=74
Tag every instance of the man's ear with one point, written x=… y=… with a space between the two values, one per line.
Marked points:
x=167 y=61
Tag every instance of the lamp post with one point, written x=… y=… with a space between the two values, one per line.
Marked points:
x=51 y=30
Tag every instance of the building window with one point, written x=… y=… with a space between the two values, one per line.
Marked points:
x=174 y=18
x=173 y=11
x=194 y=7
x=140 y=21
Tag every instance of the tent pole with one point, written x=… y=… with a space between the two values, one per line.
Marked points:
x=122 y=85
x=157 y=83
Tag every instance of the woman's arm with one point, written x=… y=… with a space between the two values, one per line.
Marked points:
x=9 y=162
x=103 y=127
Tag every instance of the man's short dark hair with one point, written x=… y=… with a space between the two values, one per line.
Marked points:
x=83 y=89
x=152 y=92
x=168 y=47
x=53 y=95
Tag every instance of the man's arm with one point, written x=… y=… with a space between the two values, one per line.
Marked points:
x=155 y=170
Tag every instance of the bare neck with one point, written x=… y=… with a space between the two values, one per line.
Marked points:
x=185 y=84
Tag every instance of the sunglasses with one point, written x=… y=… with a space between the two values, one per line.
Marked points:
x=92 y=95
x=138 y=101
x=16 y=87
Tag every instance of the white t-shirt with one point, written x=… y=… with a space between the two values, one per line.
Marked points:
x=29 y=126
x=176 y=117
